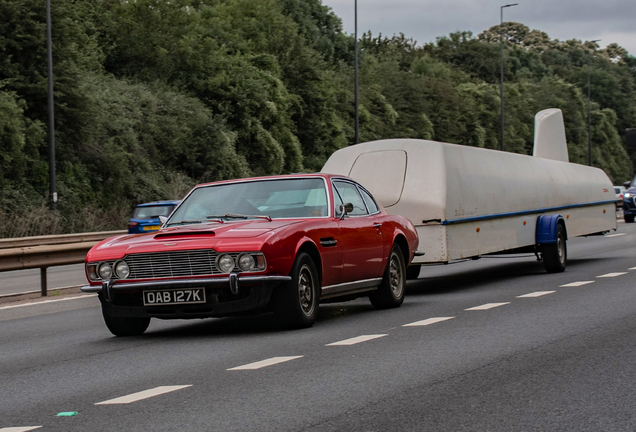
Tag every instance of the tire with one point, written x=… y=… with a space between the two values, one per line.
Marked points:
x=296 y=302
x=413 y=272
x=390 y=293
x=555 y=255
x=629 y=218
x=124 y=326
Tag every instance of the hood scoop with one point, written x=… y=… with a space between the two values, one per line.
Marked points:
x=185 y=234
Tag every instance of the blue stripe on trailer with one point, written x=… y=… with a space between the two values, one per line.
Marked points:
x=525 y=212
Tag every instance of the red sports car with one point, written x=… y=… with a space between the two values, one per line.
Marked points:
x=281 y=243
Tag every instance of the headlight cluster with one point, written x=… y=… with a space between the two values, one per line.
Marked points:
x=245 y=262
x=107 y=271
x=627 y=195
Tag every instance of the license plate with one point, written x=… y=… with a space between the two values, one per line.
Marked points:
x=174 y=296
x=151 y=227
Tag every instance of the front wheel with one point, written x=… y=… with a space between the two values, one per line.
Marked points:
x=296 y=301
x=125 y=326
x=390 y=293
x=555 y=255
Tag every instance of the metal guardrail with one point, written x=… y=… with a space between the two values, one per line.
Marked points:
x=48 y=251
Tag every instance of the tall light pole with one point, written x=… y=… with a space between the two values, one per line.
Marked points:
x=589 y=110
x=357 y=137
x=501 y=89
x=49 y=49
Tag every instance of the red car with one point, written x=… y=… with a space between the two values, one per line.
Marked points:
x=281 y=243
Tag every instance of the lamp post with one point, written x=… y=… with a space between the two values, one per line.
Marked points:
x=49 y=49
x=501 y=89
x=357 y=137
x=589 y=111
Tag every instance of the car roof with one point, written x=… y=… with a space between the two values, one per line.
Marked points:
x=278 y=177
x=155 y=203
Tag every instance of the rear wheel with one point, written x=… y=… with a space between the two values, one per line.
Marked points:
x=125 y=326
x=296 y=301
x=555 y=255
x=390 y=293
x=629 y=219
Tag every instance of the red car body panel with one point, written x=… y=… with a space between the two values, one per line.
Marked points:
x=354 y=248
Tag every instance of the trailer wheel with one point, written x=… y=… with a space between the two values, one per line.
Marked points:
x=390 y=293
x=629 y=219
x=555 y=255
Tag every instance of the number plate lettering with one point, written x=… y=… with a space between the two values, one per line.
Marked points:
x=174 y=296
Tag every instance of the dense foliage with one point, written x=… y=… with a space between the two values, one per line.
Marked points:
x=152 y=97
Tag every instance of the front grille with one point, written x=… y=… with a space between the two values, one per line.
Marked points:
x=172 y=264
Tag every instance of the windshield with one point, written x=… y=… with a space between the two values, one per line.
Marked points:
x=152 y=212
x=288 y=198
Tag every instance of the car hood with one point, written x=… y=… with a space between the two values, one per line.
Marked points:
x=239 y=235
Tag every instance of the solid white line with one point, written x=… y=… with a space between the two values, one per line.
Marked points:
x=356 y=340
x=487 y=306
x=265 y=363
x=615 y=235
x=536 y=294
x=428 y=321
x=20 y=429
x=48 y=301
x=143 y=395
x=612 y=274
x=576 y=284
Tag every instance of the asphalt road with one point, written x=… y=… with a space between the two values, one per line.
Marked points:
x=20 y=281
x=563 y=359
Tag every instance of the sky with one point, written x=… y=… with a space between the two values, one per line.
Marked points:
x=424 y=20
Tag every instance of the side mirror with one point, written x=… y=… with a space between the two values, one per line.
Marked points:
x=345 y=208
x=163 y=220
x=627 y=184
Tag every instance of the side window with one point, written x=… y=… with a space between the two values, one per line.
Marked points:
x=349 y=193
x=368 y=199
x=337 y=202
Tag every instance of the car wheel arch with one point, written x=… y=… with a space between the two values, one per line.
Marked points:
x=401 y=241
x=311 y=249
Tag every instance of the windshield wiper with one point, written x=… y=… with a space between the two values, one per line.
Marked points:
x=240 y=216
x=185 y=221
x=207 y=219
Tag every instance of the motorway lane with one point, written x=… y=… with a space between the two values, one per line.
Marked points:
x=29 y=280
x=562 y=361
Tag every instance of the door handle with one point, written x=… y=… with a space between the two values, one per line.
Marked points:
x=377 y=225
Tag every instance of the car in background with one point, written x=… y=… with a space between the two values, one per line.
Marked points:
x=283 y=244
x=146 y=216
x=629 y=202
x=619 y=190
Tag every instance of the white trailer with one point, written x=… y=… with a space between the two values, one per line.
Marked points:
x=466 y=202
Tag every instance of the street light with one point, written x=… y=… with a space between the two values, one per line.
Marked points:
x=502 y=76
x=357 y=137
x=49 y=49
x=589 y=111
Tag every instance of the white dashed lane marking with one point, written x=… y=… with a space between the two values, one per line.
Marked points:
x=356 y=340
x=486 y=306
x=536 y=294
x=45 y=302
x=20 y=429
x=611 y=275
x=616 y=235
x=265 y=363
x=143 y=395
x=428 y=321
x=633 y=268
x=576 y=284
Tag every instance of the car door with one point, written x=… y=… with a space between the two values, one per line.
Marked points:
x=361 y=236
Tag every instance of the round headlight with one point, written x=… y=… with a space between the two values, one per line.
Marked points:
x=246 y=262
x=105 y=271
x=225 y=263
x=122 y=270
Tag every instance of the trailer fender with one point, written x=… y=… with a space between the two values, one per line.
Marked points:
x=546 y=232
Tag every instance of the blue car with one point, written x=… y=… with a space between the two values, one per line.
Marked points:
x=146 y=216
x=629 y=201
